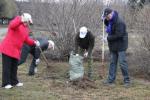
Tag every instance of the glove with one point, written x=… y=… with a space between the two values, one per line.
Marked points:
x=77 y=54
x=104 y=38
x=37 y=61
x=37 y=43
x=102 y=17
x=85 y=54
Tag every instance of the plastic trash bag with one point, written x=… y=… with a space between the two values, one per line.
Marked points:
x=76 y=67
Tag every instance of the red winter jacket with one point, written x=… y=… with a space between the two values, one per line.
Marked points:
x=17 y=34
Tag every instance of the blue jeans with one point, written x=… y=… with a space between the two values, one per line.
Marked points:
x=115 y=58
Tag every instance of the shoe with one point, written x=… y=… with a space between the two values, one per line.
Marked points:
x=127 y=85
x=107 y=83
x=19 y=84
x=8 y=86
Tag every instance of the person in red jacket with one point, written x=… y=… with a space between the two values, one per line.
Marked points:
x=10 y=47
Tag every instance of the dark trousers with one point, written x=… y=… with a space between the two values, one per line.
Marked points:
x=32 y=67
x=23 y=60
x=24 y=54
x=121 y=58
x=9 y=70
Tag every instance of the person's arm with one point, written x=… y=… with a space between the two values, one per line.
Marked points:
x=15 y=22
x=106 y=22
x=119 y=32
x=29 y=41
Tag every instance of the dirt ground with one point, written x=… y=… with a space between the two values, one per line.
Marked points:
x=52 y=84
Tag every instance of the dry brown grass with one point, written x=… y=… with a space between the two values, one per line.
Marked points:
x=43 y=87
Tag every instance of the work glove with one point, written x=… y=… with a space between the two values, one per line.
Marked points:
x=37 y=43
x=37 y=61
x=85 y=54
x=77 y=54
x=104 y=39
x=102 y=16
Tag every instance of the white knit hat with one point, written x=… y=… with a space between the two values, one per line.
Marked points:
x=83 y=32
x=52 y=43
x=27 y=17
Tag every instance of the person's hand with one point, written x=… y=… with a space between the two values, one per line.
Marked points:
x=37 y=61
x=102 y=17
x=85 y=54
x=104 y=39
x=77 y=54
x=37 y=43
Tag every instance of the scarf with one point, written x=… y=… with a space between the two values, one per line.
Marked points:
x=111 y=21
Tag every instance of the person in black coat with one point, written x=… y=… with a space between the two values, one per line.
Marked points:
x=35 y=52
x=84 y=44
x=118 y=43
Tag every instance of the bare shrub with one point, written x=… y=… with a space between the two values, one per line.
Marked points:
x=141 y=58
x=58 y=17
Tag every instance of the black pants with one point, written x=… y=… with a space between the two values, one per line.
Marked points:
x=9 y=70
x=32 y=67
x=24 y=54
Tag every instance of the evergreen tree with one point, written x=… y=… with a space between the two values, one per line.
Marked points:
x=7 y=8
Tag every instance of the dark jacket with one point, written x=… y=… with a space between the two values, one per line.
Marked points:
x=85 y=43
x=118 y=40
x=34 y=51
x=43 y=45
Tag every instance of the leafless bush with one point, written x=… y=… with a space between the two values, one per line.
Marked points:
x=141 y=58
x=58 y=17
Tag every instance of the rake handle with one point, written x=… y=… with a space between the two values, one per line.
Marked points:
x=43 y=56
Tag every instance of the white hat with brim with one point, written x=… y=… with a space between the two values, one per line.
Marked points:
x=52 y=43
x=83 y=32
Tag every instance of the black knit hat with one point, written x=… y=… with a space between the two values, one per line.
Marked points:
x=107 y=11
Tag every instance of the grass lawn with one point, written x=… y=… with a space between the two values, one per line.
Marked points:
x=50 y=84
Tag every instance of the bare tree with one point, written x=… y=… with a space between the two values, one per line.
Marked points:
x=58 y=17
